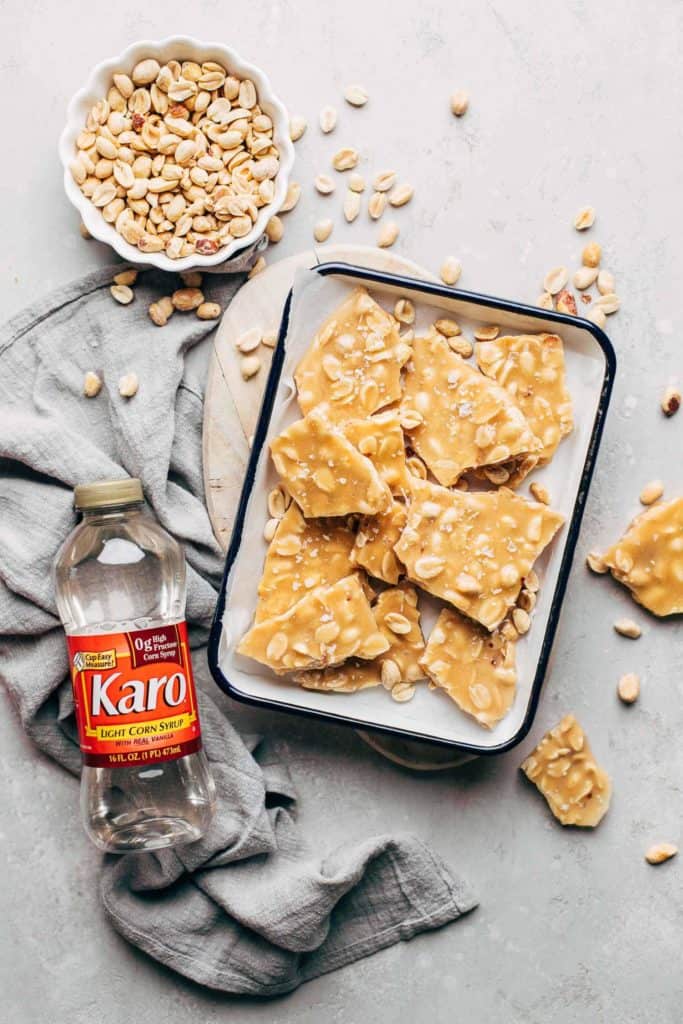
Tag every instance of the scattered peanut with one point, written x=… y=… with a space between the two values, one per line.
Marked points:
x=161 y=311
x=328 y=120
x=248 y=341
x=401 y=195
x=531 y=581
x=487 y=333
x=540 y=492
x=292 y=197
x=660 y=852
x=463 y=346
x=191 y=278
x=250 y=366
x=627 y=627
x=403 y=692
x=209 y=311
x=323 y=230
x=345 y=159
x=126 y=277
x=277 y=506
x=297 y=127
x=384 y=181
x=671 y=401
x=387 y=235
x=187 y=299
x=449 y=328
x=92 y=384
x=591 y=255
x=606 y=282
x=377 y=205
x=128 y=385
x=628 y=688
x=404 y=311
x=351 y=205
x=122 y=293
x=275 y=229
x=608 y=303
x=596 y=562
x=390 y=673
x=597 y=316
x=356 y=182
x=555 y=280
x=450 y=270
x=585 y=277
x=521 y=620
x=545 y=301
x=585 y=218
x=566 y=303
x=269 y=339
x=651 y=492
x=460 y=101
x=324 y=184
x=356 y=95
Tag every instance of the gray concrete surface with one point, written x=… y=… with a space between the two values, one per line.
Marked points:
x=571 y=103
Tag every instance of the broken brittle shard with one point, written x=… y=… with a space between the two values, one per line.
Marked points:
x=354 y=363
x=325 y=474
x=398 y=619
x=457 y=418
x=564 y=770
x=303 y=554
x=649 y=558
x=474 y=667
x=474 y=549
x=325 y=627
x=531 y=369
x=380 y=439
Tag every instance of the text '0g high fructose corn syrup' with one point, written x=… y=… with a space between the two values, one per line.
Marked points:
x=120 y=581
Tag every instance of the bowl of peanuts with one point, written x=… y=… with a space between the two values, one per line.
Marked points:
x=176 y=154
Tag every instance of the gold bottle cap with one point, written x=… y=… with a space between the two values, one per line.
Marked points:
x=108 y=494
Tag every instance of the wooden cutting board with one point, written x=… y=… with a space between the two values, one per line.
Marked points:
x=232 y=407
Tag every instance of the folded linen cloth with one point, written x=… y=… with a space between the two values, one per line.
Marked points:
x=248 y=908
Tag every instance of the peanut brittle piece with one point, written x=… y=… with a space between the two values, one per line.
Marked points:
x=374 y=543
x=325 y=627
x=474 y=549
x=474 y=667
x=564 y=770
x=649 y=558
x=303 y=554
x=325 y=474
x=398 y=619
x=354 y=363
x=380 y=438
x=531 y=369
x=457 y=418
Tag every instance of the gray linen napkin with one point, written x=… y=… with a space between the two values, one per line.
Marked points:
x=248 y=908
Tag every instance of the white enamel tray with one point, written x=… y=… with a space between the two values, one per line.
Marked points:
x=431 y=715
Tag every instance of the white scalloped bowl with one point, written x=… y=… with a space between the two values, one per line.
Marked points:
x=97 y=86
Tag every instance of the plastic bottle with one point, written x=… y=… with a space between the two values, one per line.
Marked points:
x=120 y=582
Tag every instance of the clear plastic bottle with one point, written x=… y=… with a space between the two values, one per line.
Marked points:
x=120 y=581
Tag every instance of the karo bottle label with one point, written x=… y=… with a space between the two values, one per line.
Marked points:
x=135 y=698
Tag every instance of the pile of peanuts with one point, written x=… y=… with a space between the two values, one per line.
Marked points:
x=180 y=158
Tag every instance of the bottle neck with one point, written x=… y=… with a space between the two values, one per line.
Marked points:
x=111 y=513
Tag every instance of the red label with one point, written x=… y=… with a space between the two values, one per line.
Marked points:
x=135 y=698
